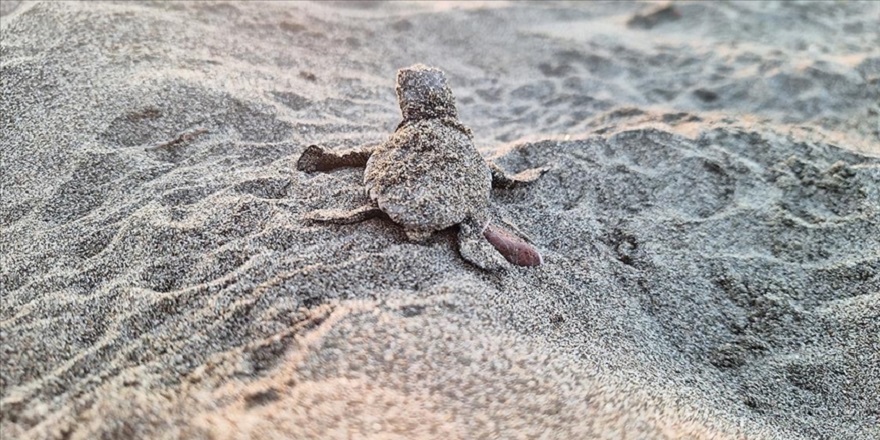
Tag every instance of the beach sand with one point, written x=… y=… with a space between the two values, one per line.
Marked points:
x=709 y=225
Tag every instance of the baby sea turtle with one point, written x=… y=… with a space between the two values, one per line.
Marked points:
x=429 y=176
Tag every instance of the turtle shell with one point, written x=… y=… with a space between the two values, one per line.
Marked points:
x=429 y=176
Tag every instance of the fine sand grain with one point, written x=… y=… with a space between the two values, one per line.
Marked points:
x=709 y=225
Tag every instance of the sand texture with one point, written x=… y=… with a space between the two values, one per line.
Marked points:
x=710 y=223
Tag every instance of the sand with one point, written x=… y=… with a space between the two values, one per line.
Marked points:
x=709 y=225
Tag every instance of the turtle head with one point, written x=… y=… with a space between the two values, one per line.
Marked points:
x=423 y=93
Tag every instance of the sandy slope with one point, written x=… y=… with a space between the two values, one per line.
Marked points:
x=709 y=225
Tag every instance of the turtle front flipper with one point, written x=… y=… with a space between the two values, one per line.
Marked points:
x=341 y=217
x=315 y=158
x=475 y=249
x=501 y=179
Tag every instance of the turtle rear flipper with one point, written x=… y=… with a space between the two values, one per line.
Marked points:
x=501 y=179
x=315 y=158
x=475 y=249
x=342 y=217
x=515 y=249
